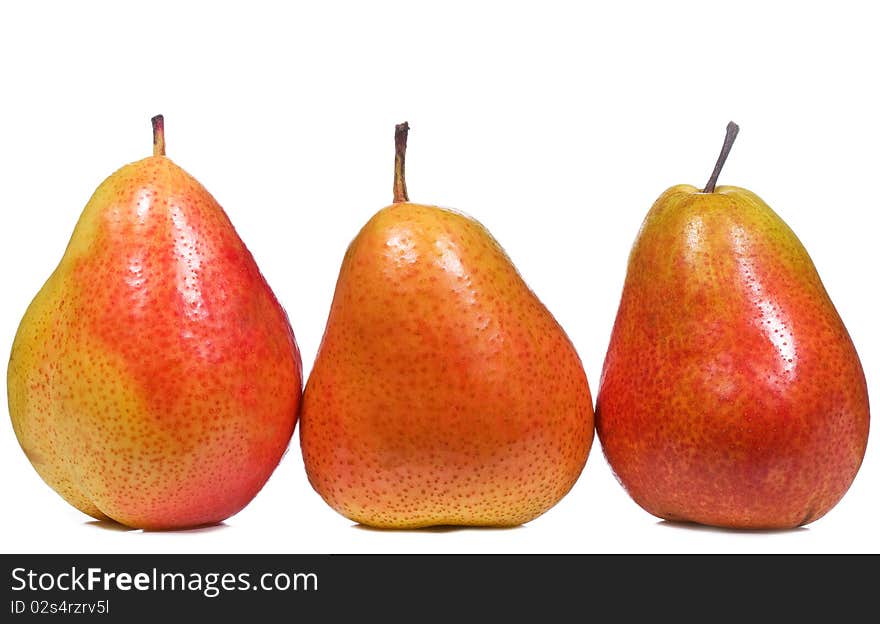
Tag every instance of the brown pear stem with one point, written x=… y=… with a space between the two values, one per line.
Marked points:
x=158 y=135
x=400 y=132
x=729 y=138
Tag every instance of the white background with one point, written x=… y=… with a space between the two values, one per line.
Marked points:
x=555 y=125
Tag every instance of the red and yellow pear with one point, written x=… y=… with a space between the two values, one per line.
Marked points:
x=154 y=379
x=731 y=394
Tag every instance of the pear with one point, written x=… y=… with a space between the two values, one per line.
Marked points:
x=444 y=392
x=154 y=379
x=731 y=393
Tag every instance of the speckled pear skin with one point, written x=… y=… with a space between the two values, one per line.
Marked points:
x=444 y=392
x=154 y=379
x=731 y=393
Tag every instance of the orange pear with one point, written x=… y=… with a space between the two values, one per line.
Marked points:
x=444 y=392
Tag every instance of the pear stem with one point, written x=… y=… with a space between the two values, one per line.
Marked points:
x=400 y=132
x=158 y=135
x=729 y=138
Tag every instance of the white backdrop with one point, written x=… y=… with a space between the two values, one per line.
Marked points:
x=555 y=125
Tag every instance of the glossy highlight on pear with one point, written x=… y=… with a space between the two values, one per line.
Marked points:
x=155 y=379
x=731 y=393
x=444 y=392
